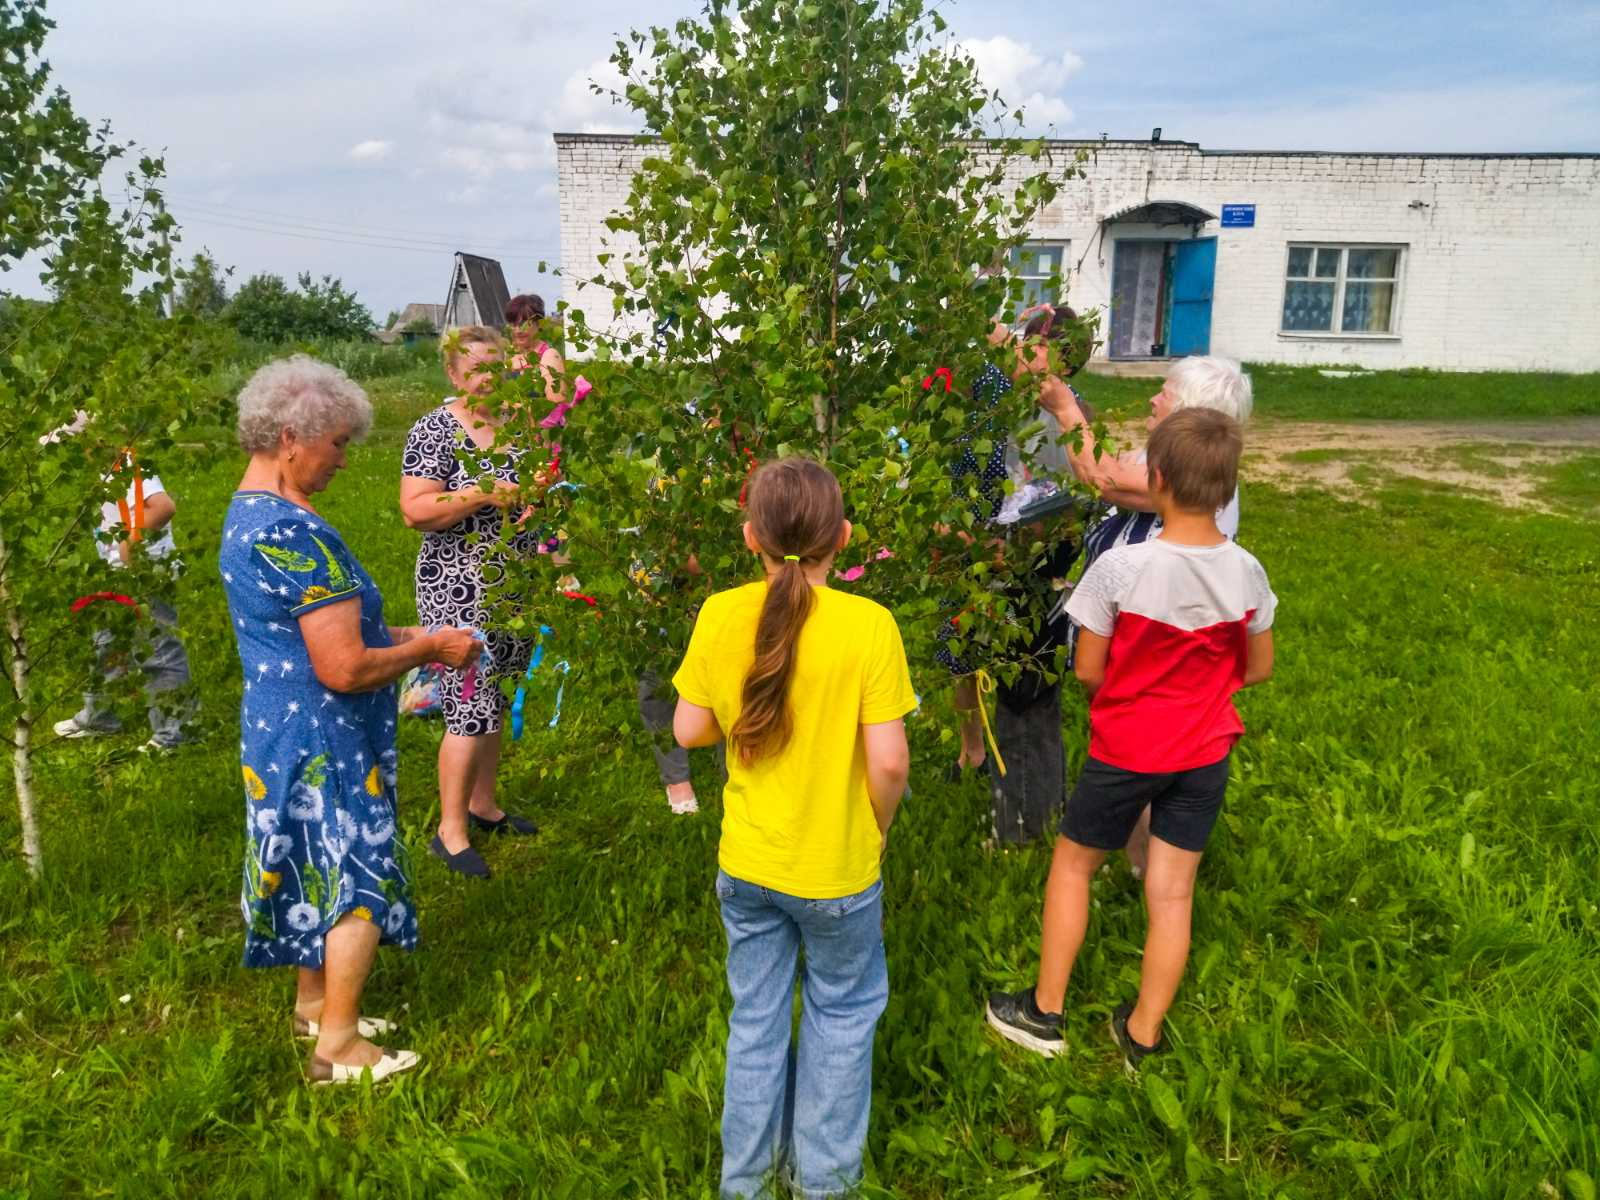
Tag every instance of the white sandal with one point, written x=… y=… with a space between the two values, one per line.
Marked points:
x=367 y=1027
x=324 y=1073
x=685 y=807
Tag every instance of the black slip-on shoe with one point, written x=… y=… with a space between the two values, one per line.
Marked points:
x=1016 y=1017
x=1133 y=1053
x=508 y=823
x=469 y=862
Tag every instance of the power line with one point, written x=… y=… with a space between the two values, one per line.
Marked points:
x=321 y=224
x=438 y=243
x=408 y=247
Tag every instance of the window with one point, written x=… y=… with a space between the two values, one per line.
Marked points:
x=1341 y=289
x=1036 y=264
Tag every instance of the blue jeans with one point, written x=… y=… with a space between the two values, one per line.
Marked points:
x=801 y=1112
x=165 y=669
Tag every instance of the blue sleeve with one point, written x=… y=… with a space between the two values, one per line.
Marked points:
x=303 y=568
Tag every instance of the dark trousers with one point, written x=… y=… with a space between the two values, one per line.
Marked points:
x=655 y=710
x=1027 y=730
x=1034 y=786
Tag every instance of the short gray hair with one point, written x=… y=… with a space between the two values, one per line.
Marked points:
x=302 y=394
x=1206 y=381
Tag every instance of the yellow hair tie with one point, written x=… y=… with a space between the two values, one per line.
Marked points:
x=985 y=683
x=791 y=558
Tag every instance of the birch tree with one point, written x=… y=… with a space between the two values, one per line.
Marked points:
x=90 y=378
x=819 y=226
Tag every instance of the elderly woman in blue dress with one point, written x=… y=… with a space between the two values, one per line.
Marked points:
x=326 y=877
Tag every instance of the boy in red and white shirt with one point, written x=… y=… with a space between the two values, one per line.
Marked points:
x=1171 y=629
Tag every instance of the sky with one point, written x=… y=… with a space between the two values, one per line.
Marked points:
x=369 y=140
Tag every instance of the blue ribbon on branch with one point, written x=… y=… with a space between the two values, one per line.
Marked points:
x=521 y=699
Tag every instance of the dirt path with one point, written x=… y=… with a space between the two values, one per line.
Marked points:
x=1506 y=460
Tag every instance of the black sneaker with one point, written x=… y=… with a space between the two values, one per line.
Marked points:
x=508 y=823
x=1133 y=1053
x=1015 y=1016
x=469 y=862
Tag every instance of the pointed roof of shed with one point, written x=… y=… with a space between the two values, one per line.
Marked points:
x=486 y=283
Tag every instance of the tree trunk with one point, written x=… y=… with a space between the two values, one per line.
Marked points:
x=22 y=732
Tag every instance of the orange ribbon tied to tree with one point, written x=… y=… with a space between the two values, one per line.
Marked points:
x=133 y=521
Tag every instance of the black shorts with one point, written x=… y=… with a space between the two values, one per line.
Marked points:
x=1106 y=804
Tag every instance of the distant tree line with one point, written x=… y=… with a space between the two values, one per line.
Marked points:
x=265 y=308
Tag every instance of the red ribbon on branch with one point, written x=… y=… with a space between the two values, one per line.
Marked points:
x=939 y=373
x=751 y=461
x=83 y=602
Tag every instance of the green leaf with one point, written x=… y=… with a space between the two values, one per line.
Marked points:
x=1579 y=1185
x=288 y=560
x=338 y=580
x=315 y=771
x=1085 y=1166
x=1163 y=1101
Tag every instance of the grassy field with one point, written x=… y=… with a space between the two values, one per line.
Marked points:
x=1304 y=393
x=1395 y=989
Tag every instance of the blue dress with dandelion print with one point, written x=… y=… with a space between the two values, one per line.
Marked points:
x=319 y=766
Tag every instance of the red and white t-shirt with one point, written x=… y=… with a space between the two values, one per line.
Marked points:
x=1178 y=618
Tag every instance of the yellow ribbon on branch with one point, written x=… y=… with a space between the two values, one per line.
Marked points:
x=986 y=685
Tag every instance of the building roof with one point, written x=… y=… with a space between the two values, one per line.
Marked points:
x=433 y=313
x=1161 y=212
x=488 y=283
x=410 y=315
x=629 y=139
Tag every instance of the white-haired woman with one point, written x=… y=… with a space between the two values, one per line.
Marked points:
x=325 y=873
x=1201 y=381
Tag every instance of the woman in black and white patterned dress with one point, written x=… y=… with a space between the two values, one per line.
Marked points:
x=457 y=563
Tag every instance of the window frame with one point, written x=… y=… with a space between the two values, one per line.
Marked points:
x=1014 y=269
x=1392 y=334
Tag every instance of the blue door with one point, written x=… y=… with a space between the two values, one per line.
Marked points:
x=1194 y=270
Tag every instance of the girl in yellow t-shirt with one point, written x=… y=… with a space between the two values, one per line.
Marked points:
x=809 y=685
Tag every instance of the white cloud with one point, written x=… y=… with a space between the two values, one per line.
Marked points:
x=581 y=111
x=480 y=132
x=371 y=150
x=1024 y=78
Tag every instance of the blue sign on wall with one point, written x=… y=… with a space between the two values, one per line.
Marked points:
x=1238 y=216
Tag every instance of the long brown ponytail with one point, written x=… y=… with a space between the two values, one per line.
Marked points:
x=796 y=513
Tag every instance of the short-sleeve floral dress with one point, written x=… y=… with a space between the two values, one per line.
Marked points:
x=319 y=766
x=455 y=566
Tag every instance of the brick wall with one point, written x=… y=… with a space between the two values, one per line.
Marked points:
x=1500 y=269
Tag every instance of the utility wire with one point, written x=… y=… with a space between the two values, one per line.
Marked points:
x=351 y=236
x=205 y=219
x=328 y=226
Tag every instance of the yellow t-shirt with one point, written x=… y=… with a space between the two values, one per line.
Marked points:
x=801 y=821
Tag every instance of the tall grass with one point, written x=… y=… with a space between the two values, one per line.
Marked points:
x=1394 y=990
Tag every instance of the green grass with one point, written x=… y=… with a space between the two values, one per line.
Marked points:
x=1573 y=485
x=1394 y=990
x=1303 y=393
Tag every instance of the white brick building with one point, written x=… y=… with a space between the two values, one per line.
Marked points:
x=1460 y=262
